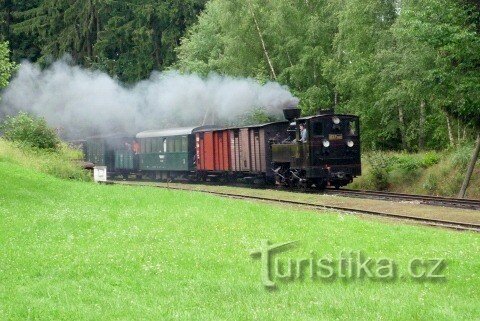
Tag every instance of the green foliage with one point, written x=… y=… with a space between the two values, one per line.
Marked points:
x=435 y=173
x=379 y=165
x=431 y=183
x=30 y=131
x=462 y=157
x=23 y=44
x=430 y=159
x=399 y=65
x=6 y=66
x=255 y=116
x=129 y=39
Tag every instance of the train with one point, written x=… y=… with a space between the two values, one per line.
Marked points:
x=308 y=152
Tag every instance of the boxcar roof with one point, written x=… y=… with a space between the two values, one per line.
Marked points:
x=173 y=131
x=325 y=115
x=266 y=124
x=240 y=127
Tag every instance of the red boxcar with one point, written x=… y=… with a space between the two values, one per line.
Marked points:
x=235 y=150
x=213 y=151
x=244 y=151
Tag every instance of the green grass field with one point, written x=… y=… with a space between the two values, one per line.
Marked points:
x=79 y=251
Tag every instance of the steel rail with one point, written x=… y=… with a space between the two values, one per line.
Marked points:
x=425 y=199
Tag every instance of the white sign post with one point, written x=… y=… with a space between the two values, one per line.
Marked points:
x=100 y=173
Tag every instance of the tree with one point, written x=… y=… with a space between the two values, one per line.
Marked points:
x=355 y=66
x=268 y=40
x=22 y=45
x=445 y=30
x=129 y=39
x=6 y=66
x=141 y=36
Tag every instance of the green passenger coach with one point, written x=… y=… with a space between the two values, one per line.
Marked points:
x=116 y=152
x=167 y=153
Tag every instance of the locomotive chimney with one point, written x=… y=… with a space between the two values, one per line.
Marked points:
x=292 y=113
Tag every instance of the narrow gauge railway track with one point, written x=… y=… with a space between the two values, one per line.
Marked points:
x=460 y=226
x=470 y=204
x=423 y=199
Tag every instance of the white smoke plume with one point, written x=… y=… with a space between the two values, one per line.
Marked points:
x=80 y=100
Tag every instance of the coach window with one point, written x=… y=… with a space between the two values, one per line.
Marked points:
x=150 y=145
x=147 y=145
x=178 y=144
x=154 y=145
x=317 y=129
x=184 y=144
x=171 y=144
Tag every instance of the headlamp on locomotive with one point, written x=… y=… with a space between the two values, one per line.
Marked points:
x=322 y=150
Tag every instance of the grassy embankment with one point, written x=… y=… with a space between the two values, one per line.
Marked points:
x=80 y=251
x=432 y=173
x=64 y=163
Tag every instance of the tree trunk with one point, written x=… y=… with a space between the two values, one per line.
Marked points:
x=459 y=138
x=156 y=40
x=471 y=167
x=262 y=41
x=98 y=24
x=450 y=132
x=421 y=127
x=401 y=120
x=289 y=59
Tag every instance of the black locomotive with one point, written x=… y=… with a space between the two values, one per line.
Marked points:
x=330 y=154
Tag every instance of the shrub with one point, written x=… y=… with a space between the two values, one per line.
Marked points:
x=379 y=170
x=462 y=156
x=430 y=159
x=431 y=183
x=30 y=131
x=408 y=163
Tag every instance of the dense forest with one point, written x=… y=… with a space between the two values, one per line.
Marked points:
x=410 y=68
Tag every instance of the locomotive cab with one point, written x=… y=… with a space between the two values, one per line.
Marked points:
x=325 y=151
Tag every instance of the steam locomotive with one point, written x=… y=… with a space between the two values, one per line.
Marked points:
x=325 y=153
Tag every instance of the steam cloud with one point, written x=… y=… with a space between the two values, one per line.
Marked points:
x=80 y=101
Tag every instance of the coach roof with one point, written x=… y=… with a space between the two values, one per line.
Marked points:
x=173 y=131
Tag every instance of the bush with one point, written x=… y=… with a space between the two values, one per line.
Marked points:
x=431 y=183
x=407 y=163
x=379 y=164
x=461 y=157
x=30 y=131
x=430 y=159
